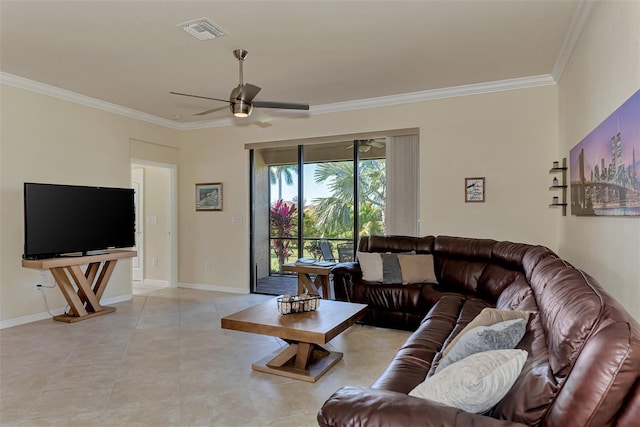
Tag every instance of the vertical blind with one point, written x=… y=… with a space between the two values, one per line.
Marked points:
x=403 y=174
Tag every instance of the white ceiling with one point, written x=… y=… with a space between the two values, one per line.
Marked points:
x=131 y=53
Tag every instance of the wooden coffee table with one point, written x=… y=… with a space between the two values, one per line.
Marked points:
x=303 y=358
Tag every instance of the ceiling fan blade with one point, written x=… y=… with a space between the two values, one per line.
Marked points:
x=248 y=92
x=283 y=105
x=202 y=97
x=376 y=144
x=213 y=110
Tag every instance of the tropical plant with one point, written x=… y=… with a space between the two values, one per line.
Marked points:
x=283 y=217
x=334 y=214
x=280 y=172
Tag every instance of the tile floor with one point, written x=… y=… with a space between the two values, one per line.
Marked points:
x=162 y=360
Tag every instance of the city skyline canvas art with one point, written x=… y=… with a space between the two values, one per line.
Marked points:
x=604 y=167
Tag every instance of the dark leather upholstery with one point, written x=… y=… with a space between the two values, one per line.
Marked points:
x=583 y=367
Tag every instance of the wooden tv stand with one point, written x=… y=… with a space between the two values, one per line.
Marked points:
x=84 y=298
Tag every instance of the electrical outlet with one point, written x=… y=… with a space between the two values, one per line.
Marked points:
x=154 y=262
x=45 y=278
x=208 y=266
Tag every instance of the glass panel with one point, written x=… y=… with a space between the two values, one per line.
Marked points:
x=328 y=199
x=283 y=214
x=372 y=186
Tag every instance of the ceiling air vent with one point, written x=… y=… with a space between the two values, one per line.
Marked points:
x=202 y=29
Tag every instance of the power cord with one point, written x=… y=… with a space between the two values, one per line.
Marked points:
x=44 y=296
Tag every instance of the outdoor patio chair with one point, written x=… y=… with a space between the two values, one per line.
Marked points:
x=345 y=253
x=327 y=252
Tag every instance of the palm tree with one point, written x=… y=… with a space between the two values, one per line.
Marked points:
x=335 y=213
x=276 y=173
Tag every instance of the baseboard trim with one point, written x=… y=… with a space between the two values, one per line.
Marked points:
x=9 y=323
x=155 y=282
x=216 y=288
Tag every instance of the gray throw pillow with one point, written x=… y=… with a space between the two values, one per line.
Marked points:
x=499 y=336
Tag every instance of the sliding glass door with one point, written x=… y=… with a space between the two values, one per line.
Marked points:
x=314 y=201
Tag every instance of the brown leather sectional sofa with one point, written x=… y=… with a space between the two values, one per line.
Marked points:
x=583 y=367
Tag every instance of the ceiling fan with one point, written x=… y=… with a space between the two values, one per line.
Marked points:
x=241 y=100
x=365 y=145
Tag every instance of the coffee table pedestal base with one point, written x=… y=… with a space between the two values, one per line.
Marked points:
x=301 y=361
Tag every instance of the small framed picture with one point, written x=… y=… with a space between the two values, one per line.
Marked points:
x=209 y=197
x=474 y=189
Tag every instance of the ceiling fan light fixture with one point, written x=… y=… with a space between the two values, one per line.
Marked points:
x=241 y=109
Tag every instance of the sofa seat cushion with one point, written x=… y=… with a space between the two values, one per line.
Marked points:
x=393 y=297
x=414 y=360
x=536 y=387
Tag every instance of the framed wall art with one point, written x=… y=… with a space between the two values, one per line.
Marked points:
x=209 y=197
x=605 y=168
x=474 y=189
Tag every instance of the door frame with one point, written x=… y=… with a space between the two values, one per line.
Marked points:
x=173 y=213
x=139 y=223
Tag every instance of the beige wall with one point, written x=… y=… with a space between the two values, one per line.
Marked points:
x=44 y=139
x=508 y=137
x=603 y=72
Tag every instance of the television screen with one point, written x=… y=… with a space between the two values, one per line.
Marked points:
x=68 y=219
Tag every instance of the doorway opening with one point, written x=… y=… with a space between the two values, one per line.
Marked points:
x=155 y=187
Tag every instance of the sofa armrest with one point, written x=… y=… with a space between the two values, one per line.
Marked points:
x=360 y=406
x=345 y=274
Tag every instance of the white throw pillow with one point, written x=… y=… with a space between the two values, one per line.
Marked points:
x=371 y=266
x=474 y=384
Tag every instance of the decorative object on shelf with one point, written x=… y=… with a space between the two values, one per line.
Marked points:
x=474 y=189
x=288 y=304
x=561 y=185
x=605 y=177
x=209 y=197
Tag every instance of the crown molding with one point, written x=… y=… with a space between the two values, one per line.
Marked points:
x=383 y=101
x=571 y=39
x=429 y=95
x=405 y=98
x=56 y=92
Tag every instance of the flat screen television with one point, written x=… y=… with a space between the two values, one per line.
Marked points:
x=76 y=220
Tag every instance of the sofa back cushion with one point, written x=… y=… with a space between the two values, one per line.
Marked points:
x=569 y=309
x=396 y=244
x=460 y=261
